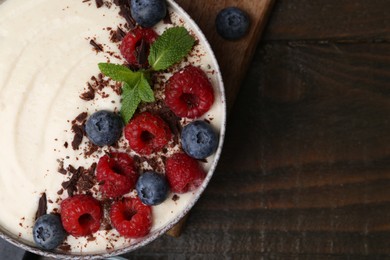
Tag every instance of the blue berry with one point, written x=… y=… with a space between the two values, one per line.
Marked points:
x=152 y=188
x=199 y=140
x=104 y=128
x=232 y=23
x=48 y=231
x=148 y=13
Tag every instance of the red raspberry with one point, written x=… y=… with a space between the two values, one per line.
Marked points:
x=81 y=215
x=147 y=133
x=189 y=93
x=183 y=173
x=117 y=174
x=131 y=217
x=136 y=44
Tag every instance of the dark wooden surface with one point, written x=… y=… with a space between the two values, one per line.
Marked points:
x=305 y=171
x=233 y=66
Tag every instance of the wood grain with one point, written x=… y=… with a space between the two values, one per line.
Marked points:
x=341 y=20
x=311 y=124
x=230 y=54
x=312 y=177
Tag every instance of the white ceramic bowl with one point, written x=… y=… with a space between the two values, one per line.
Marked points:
x=220 y=102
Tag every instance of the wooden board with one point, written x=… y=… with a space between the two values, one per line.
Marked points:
x=233 y=57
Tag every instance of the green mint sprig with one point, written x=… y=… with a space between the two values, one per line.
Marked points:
x=171 y=47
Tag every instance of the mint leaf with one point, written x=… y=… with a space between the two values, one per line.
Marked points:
x=130 y=102
x=119 y=73
x=172 y=46
x=145 y=92
x=132 y=95
x=134 y=89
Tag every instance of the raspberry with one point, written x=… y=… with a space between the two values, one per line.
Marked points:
x=183 y=173
x=117 y=174
x=81 y=215
x=131 y=218
x=189 y=93
x=147 y=133
x=136 y=44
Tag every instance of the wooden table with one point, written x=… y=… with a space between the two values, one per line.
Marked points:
x=305 y=171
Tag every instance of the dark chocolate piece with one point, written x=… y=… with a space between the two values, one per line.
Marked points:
x=98 y=47
x=141 y=52
x=78 y=137
x=99 y=3
x=89 y=94
x=81 y=117
x=42 y=206
x=167 y=19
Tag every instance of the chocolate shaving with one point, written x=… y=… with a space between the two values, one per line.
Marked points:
x=175 y=197
x=72 y=169
x=96 y=46
x=129 y=19
x=86 y=178
x=78 y=137
x=117 y=35
x=99 y=82
x=89 y=94
x=99 y=3
x=167 y=19
x=141 y=52
x=91 y=148
x=61 y=168
x=81 y=180
x=106 y=226
x=120 y=2
x=125 y=12
x=80 y=118
x=91 y=238
x=154 y=164
x=65 y=247
x=42 y=206
x=71 y=185
x=120 y=34
x=172 y=120
x=164 y=159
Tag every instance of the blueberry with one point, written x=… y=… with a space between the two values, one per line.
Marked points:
x=48 y=231
x=232 y=23
x=152 y=188
x=199 y=140
x=104 y=128
x=148 y=13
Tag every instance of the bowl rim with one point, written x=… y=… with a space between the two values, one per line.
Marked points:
x=58 y=255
